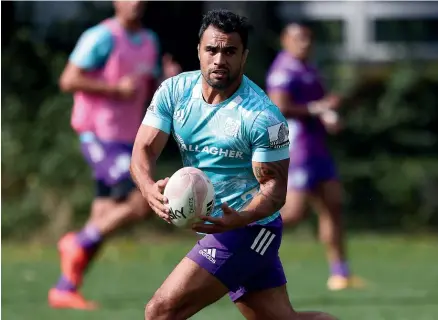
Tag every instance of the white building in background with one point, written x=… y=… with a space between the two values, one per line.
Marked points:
x=372 y=31
x=376 y=31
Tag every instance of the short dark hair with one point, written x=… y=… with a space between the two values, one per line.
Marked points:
x=227 y=22
x=306 y=24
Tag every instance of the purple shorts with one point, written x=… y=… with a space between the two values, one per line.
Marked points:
x=307 y=175
x=109 y=163
x=245 y=259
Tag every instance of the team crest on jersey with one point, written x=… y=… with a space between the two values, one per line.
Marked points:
x=278 y=135
x=231 y=127
x=178 y=116
x=153 y=105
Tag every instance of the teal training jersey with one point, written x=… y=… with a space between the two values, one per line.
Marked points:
x=223 y=139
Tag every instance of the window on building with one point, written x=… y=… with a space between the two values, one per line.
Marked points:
x=327 y=31
x=406 y=30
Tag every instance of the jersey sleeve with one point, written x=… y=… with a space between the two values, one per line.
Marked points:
x=280 y=79
x=160 y=111
x=270 y=136
x=93 y=48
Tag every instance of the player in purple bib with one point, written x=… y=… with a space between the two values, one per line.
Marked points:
x=296 y=88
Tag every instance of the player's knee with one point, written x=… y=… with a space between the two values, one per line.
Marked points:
x=329 y=230
x=100 y=207
x=291 y=214
x=139 y=206
x=293 y=210
x=154 y=310
x=332 y=203
x=160 y=308
x=331 y=215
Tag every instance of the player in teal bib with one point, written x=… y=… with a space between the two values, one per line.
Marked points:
x=222 y=139
x=226 y=126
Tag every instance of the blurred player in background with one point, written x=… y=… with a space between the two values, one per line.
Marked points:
x=226 y=126
x=113 y=72
x=296 y=88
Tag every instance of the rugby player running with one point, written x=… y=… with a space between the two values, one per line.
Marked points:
x=113 y=72
x=226 y=126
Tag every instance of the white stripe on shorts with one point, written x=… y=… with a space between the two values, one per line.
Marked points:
x=262 y=231
x=262 y=241
x=268 y=243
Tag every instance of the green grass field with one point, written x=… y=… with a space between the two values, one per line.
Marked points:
x=402 y=274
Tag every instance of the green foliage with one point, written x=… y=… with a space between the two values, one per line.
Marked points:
x=386 y=154
x=41 y=164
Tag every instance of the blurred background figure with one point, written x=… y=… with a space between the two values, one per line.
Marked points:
x=112 y=72
x=296 y=88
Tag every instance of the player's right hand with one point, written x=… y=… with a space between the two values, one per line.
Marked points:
x=156 y=199
x=126 y=88
x=331 y=101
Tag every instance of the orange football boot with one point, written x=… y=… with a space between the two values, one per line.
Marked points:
x=60 y=299
x=73 y=262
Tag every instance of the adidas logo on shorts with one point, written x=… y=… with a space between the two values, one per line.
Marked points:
x=209 y=254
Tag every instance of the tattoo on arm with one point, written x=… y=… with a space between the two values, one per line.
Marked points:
x=273 y=180
x=261 y=172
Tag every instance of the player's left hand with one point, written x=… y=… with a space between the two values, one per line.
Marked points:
x=331 y=122
x=230 y=220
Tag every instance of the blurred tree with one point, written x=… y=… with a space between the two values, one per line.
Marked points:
x=7 y=21
x=387 y=154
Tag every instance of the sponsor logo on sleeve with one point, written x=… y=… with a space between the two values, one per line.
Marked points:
x=278 y=135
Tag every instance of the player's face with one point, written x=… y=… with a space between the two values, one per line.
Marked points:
x=130 y=10
x=222 y=58
x=299 y=41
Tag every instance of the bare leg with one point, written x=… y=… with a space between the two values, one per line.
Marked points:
x=79 y=249
x=327 y=202
x=274 y=304
x=119 y=214
x=187 y=290
x=294 y=211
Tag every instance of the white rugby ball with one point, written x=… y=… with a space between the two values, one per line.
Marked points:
x=190 y=194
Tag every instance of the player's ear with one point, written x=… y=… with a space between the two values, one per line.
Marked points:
x=198 y=52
